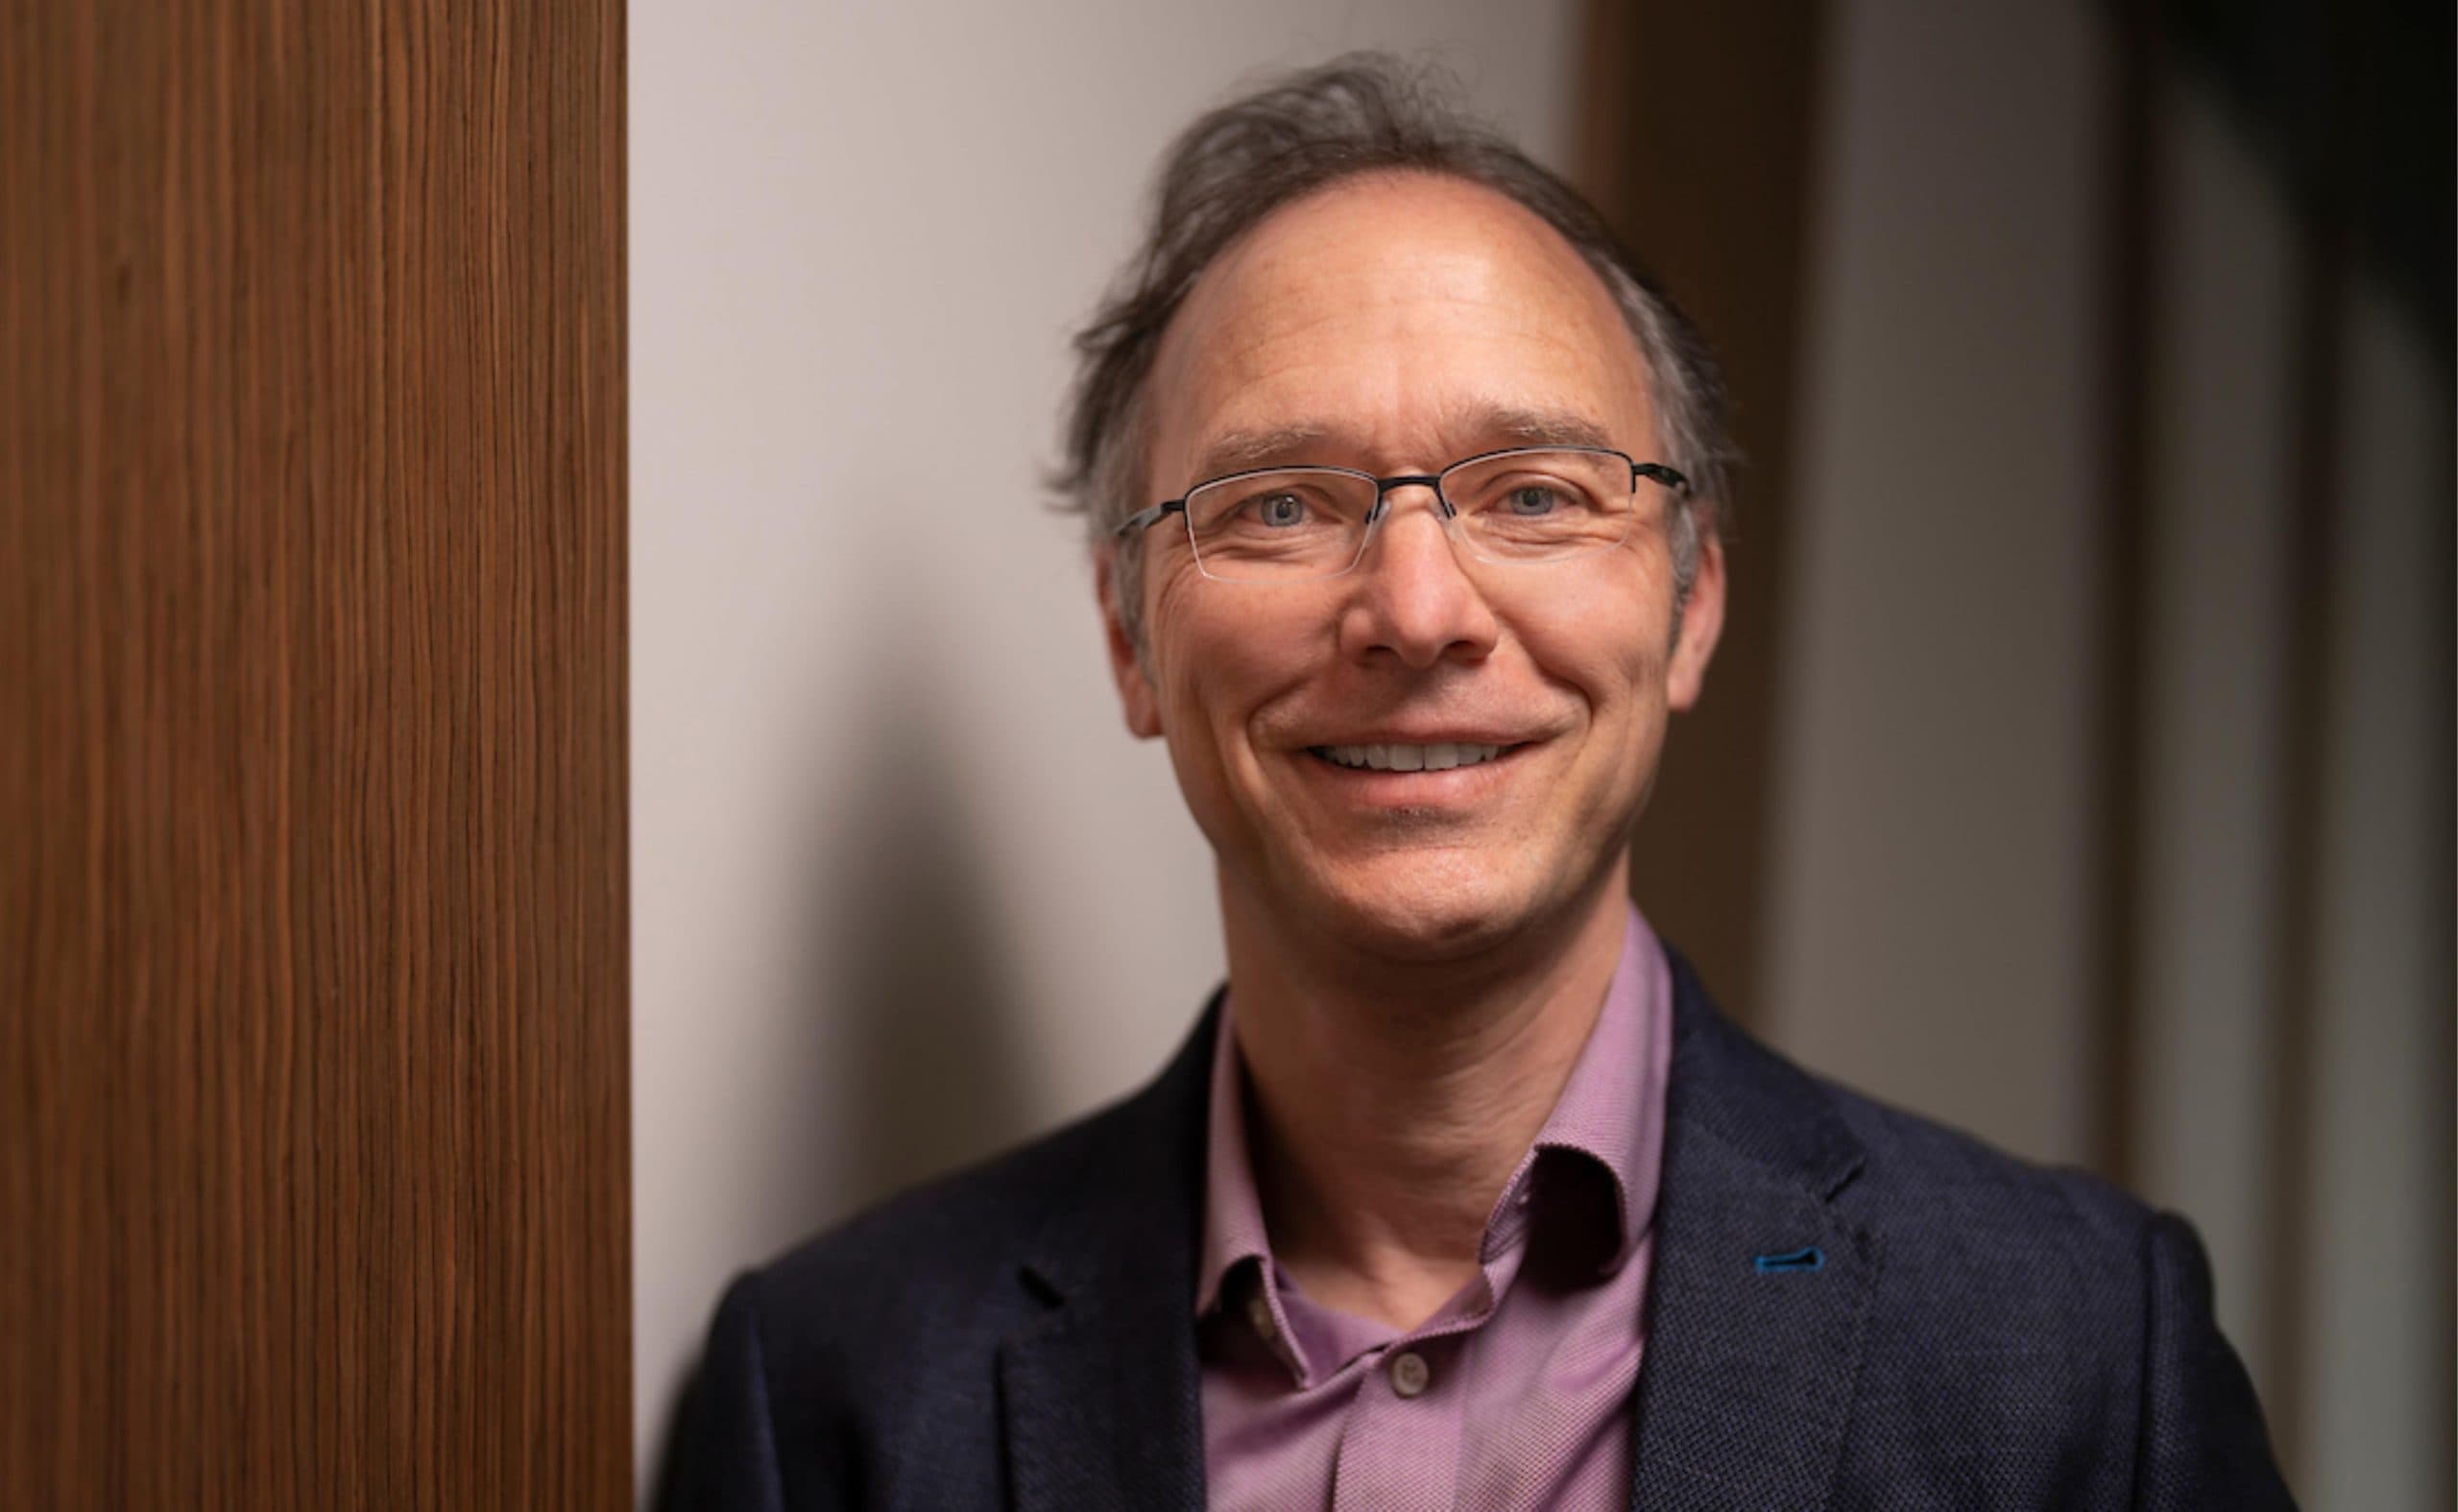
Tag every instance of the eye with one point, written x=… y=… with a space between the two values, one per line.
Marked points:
x=1280 y=510
x=1529 y=500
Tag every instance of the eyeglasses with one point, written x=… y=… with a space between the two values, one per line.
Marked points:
x=1293 y=524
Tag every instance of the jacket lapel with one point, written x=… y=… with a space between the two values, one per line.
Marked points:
x=1762 y=1284
x=1099 y=1395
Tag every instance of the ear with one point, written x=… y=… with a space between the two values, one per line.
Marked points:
x=1702 y=623
x=1135 y=695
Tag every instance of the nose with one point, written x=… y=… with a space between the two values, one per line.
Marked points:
x=1412 y=600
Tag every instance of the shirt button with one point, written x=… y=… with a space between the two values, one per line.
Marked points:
x=1259 y=1313
x=1409 y=1375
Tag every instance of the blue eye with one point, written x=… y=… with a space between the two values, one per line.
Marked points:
x=1534 y=499
x=1282 y=509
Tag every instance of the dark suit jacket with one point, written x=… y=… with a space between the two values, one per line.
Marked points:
x=1975 y=1332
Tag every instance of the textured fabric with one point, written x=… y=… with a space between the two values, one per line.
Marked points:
x=1974 y=1332
x=1520 y=1391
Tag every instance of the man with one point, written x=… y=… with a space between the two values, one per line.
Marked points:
x=1404 y=486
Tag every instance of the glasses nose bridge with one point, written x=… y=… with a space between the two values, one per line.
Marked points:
x=1445 y=517
x=1431 y=481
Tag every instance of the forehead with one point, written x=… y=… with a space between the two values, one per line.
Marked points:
x=1394 y=322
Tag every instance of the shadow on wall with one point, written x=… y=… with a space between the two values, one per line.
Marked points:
x=908 y=961
x=905 y=986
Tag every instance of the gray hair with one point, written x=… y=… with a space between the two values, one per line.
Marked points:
x=1363 y=113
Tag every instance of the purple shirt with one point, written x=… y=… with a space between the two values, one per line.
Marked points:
x=1516 y=1393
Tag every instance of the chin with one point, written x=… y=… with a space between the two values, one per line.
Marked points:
x=1428 y=910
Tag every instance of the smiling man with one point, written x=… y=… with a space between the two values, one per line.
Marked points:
x=1404 y=487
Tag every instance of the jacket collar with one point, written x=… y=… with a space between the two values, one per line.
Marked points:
x=1757 y=1305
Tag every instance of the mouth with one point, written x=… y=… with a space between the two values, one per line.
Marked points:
x=1438 y=758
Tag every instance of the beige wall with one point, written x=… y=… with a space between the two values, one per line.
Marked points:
x=904 y=888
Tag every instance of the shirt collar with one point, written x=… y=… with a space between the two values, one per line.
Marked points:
x=1612 y=1108
x=1233 y=1214
x=1612 y=1112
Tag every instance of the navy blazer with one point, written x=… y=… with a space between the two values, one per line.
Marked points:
x=1852 y=1308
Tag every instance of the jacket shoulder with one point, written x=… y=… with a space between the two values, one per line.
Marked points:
x=1895 y=1173
x=860 y=1365
x=2037 y=1305
x=938 y=1255
x=1922 y=1169
x=2027 y=1333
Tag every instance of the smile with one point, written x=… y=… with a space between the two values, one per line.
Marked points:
x=1408 y=758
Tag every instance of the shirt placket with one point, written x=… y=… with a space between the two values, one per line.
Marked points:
x=1401 y=1444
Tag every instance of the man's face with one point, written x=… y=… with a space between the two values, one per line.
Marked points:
x=1396 y=324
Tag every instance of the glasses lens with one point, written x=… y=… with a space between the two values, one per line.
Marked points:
x=1532 y=506
x=1298 y=522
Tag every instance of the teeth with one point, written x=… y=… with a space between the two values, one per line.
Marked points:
x=1409 y=758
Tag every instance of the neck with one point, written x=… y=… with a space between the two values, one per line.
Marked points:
x=1392 y=1100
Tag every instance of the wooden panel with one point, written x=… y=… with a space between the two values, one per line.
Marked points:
x=312 y=902
x=1694 y=140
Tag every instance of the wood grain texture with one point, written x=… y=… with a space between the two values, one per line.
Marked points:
x=313 y=889
x=1696 y=139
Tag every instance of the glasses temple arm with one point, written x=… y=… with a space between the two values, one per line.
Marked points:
x=1146 y=520
x=1660 y=472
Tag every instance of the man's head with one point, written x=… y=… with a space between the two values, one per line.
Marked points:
x=1341 y=276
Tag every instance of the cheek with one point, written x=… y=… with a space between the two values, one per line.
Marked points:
x=1176 y=636
x=1220 y=653
x=1608 y=639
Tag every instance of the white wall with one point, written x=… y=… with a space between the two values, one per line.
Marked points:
x=904 y=890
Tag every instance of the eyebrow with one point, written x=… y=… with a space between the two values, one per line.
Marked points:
x=1542 y=428
x=1493 y=428
x=1240 y=450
